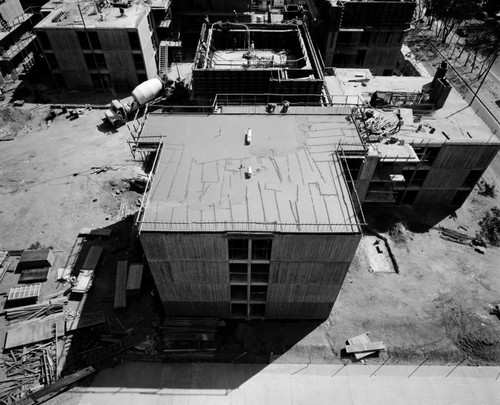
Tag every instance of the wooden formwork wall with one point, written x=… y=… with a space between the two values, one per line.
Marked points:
x=376 y=14
x=306 y=274
x=191 y=272
x=449 y=171
x=118 y=55
x=208 y=83
x=70 y=59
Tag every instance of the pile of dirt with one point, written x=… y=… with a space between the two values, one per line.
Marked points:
x=399 y=234
x=12 y=121
x=478 y=336
x=121 y=200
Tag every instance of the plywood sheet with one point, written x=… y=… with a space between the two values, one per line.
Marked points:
x=134 y=278
x=35 y=331
x=92 y=258
x=121 y=284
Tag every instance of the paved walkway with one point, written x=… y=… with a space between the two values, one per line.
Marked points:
x=204 y=384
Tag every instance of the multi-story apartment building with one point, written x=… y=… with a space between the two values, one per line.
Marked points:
x=17 y=40
x=91 y=46
x=364 y=33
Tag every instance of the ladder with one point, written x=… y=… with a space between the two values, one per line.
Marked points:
x=103 y=353
x=163 y=57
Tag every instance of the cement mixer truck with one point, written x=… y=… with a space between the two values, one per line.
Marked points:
x=144 y=93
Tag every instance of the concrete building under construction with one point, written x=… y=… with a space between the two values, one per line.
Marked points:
x=89 y=46
x=365 y=33
x=259 y=215
x=248 y=216
x=17 y=40
x=257 y=60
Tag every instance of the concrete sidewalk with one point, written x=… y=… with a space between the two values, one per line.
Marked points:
x=204 y=384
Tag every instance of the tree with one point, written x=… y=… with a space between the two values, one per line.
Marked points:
x=450 y=14
x=490 y=226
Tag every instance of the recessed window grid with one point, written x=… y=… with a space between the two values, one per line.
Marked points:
x=249 y=262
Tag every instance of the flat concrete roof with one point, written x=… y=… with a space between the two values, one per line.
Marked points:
x=296 y=185
x=456 y=119
x=109 y=17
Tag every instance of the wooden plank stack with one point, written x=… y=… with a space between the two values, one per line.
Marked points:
x=27 y=312
x=455 y=236
x=121 y=285
x=361 y=346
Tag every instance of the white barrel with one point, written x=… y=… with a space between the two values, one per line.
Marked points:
x=148 y=90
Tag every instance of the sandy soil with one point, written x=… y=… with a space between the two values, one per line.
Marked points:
x=436 y=307
x=47 y=186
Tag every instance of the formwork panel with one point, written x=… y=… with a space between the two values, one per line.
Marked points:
x=466 y=156
x=315 y=248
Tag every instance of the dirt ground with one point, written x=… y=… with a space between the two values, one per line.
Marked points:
x=435 y=307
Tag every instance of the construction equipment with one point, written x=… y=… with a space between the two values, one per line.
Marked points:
x=143 y=94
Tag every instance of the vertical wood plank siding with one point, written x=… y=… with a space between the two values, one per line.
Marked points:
x=466 y=156
x=314 y=248
x=445 y=178
x=306 y=274
x=191 y=272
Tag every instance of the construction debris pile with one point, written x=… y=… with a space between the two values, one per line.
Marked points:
x=27 y=370
x=41 y=310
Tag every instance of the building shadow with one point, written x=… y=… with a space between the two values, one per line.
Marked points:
x=241 y=348
x=38 y=87
x=417 y=220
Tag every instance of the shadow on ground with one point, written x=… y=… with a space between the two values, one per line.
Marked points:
x=38 y=87
x=256 y=342
x=420 y=220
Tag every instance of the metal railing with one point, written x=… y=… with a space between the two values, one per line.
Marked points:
x=234 y=226
x=232 y=99
x=12 y=51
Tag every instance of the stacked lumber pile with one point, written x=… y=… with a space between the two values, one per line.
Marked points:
x=202 y=329
x=361 y=346
x=27 y=369
x=455 y=236
x=41 y=310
